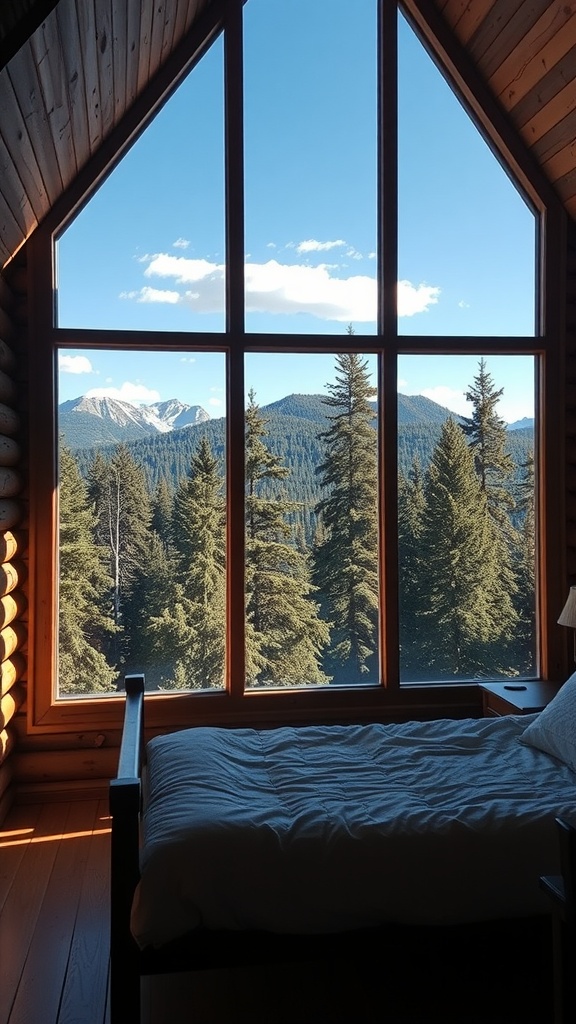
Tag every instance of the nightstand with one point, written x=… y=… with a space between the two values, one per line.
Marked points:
x=506 y=699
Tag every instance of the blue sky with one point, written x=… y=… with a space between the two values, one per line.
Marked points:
x=147 y=252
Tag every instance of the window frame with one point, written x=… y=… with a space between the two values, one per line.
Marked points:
x=234 y=706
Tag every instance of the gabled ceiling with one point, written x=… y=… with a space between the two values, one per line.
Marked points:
x=71 y=71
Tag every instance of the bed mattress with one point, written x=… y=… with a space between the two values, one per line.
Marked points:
x=329 y=828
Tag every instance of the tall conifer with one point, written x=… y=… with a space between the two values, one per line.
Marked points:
x=84 y=589
x=285 y=636
x=469 y=619
x=346 y=562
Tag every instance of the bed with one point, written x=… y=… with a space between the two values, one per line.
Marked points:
x=328 y=831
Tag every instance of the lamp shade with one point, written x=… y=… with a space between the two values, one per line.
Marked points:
x=568 y=614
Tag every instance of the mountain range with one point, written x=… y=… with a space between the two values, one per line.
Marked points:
x=87 y=421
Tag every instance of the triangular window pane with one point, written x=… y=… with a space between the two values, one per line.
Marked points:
x=148 y=251
x=466 y=250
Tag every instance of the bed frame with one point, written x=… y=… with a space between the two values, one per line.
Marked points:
x=204 y=949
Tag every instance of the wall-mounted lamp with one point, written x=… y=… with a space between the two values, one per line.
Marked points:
x=568 y=614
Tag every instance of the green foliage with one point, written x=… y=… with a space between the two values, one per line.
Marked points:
x=83 y=591
x=191 y=625
x=285 y=636
x=346 y=562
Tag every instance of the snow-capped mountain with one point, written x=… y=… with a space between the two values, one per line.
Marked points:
x=88 y=421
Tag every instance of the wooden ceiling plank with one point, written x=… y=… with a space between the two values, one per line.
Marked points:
x=87 y=33
x=73 y=70
x=132 y=43
x=17 y=140
x=566 y=186
x=13 y=192
x=170 y=16
x=491 y=27
x=561 y=135
x=145 y=43
x=105 y=59
x=51 y=72
x=564 y=161
x=26 y=84
x=549 y=86
x=510 y=36
x=120 y=55
x=466 y=16
x=542 y=47
x=157 y=36
x=562 y=104
x=180 y=22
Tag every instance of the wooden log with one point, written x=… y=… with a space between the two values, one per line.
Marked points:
x=11 y=453
x=9 y=420
x=12 y=543
x=11 y=670
x=12 y=606
x=60 y=765
x=12 y=575
x=6 y=803
x=7 y=743
x=6 y=776
x=12 y=637
x=11 y=513
x=7 y=358
x=10 y=482
x=90 y=740
x=10 y=703
x=8 y=389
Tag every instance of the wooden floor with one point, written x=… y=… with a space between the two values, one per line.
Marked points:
x=54 y=874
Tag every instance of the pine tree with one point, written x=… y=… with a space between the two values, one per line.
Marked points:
x=411 y=512
x=285 y=636
x=123 y=511
x=192 y=626
x=488 y=439
x=469 y=620
x=84 y=590
x=525 y=565
x=346 y=562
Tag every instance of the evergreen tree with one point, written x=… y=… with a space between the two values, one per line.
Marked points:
x=285 y=636
x=525 y=564
x=346 y=562
x=488 y=439
x=123 y=511
x=84 y=590
x=192 y=626
x=411 y=513
x=469 y=620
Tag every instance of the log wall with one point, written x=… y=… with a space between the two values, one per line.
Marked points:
x=13 y=522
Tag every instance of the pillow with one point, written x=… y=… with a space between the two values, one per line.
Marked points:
x=554 y=729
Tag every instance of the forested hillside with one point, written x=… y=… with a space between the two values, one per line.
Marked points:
x=154 y=510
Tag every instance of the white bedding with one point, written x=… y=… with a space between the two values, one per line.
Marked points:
x=323 y=828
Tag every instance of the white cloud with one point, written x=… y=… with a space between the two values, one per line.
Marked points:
x=311 y=245
x=450 y=399
x=275 y=287
x=215 y=402
x=187 y=359
x=464 y=305
x=74 y=364
x=180 y=243
x=135 y=394
x=415 y=298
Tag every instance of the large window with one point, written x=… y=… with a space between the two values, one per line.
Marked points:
x=299 y=362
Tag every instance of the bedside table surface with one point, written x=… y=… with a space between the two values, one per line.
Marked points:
x=536 y=696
